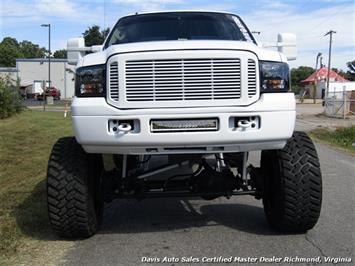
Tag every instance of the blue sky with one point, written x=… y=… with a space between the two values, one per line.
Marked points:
x=309 y=19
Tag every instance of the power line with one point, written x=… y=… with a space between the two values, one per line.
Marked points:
x=310 y=32
x=332 y=16
x=287 y=17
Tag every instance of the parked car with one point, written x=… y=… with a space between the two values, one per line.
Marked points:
x=52 y=91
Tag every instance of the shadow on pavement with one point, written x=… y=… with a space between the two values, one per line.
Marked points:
x=156 y=215
x=149 y=215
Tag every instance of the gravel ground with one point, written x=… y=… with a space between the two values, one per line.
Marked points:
x=309 y=117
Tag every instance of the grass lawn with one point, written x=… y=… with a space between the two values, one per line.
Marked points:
x=25 y=144
x=343 y=137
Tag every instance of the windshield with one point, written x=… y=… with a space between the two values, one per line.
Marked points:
x=178 y=26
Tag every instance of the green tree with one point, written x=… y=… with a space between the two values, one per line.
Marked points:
x=31 y=50
x=351 y=66
x=299 y=74
x=60 y=53
x=105 y=32
x=350 y=74
x=10 y=42
x=9 y=51
x=94 y=36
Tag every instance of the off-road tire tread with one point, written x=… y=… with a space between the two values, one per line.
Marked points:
x=71 y=206
x=294 y=182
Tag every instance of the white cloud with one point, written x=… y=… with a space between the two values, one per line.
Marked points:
x=60 y=8
x=271 y=5
x=148 y=5
x=14 y=12
x=140 y=2
x=310 y=28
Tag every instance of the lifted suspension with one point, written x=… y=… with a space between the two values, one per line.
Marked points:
x=212 y=178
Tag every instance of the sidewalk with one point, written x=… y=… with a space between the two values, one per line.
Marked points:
x=49 y=108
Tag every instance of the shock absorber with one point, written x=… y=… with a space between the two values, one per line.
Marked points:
x=220 y=162
x=244 y=170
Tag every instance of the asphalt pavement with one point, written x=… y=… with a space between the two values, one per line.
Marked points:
x=134 y=231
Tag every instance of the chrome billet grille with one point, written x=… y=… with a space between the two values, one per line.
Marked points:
x=114 y=87
x=183 y=79
x=251 y=78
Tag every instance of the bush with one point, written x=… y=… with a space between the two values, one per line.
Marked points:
x=297 y=89
x=10 y=99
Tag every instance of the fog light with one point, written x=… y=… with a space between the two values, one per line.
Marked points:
x=184 y=125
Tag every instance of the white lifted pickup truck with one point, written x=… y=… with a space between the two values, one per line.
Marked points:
x=178 y=100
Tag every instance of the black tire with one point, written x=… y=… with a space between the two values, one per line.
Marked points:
x=292 y=196
x=74 y=190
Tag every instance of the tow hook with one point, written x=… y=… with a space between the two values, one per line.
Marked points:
x=124 y=127
x=117 y=126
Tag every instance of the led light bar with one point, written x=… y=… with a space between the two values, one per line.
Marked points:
x=181 y=125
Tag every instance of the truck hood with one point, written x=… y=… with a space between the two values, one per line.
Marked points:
x=101 y=57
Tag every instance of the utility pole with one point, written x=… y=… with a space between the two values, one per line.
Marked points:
x=315 y=78
x=49 y=60
x=330 y=33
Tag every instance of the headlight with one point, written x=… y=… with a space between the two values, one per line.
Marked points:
x=90 y=81
x=275 y=76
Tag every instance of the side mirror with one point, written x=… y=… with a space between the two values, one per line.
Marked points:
x=96 y=48
x=287 y=44
x=76 y=50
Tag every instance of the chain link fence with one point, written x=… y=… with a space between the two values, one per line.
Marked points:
x=340 y=104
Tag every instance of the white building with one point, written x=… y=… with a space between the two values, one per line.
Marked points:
x=8 y=71
x=339 y=89
x=33 y=72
